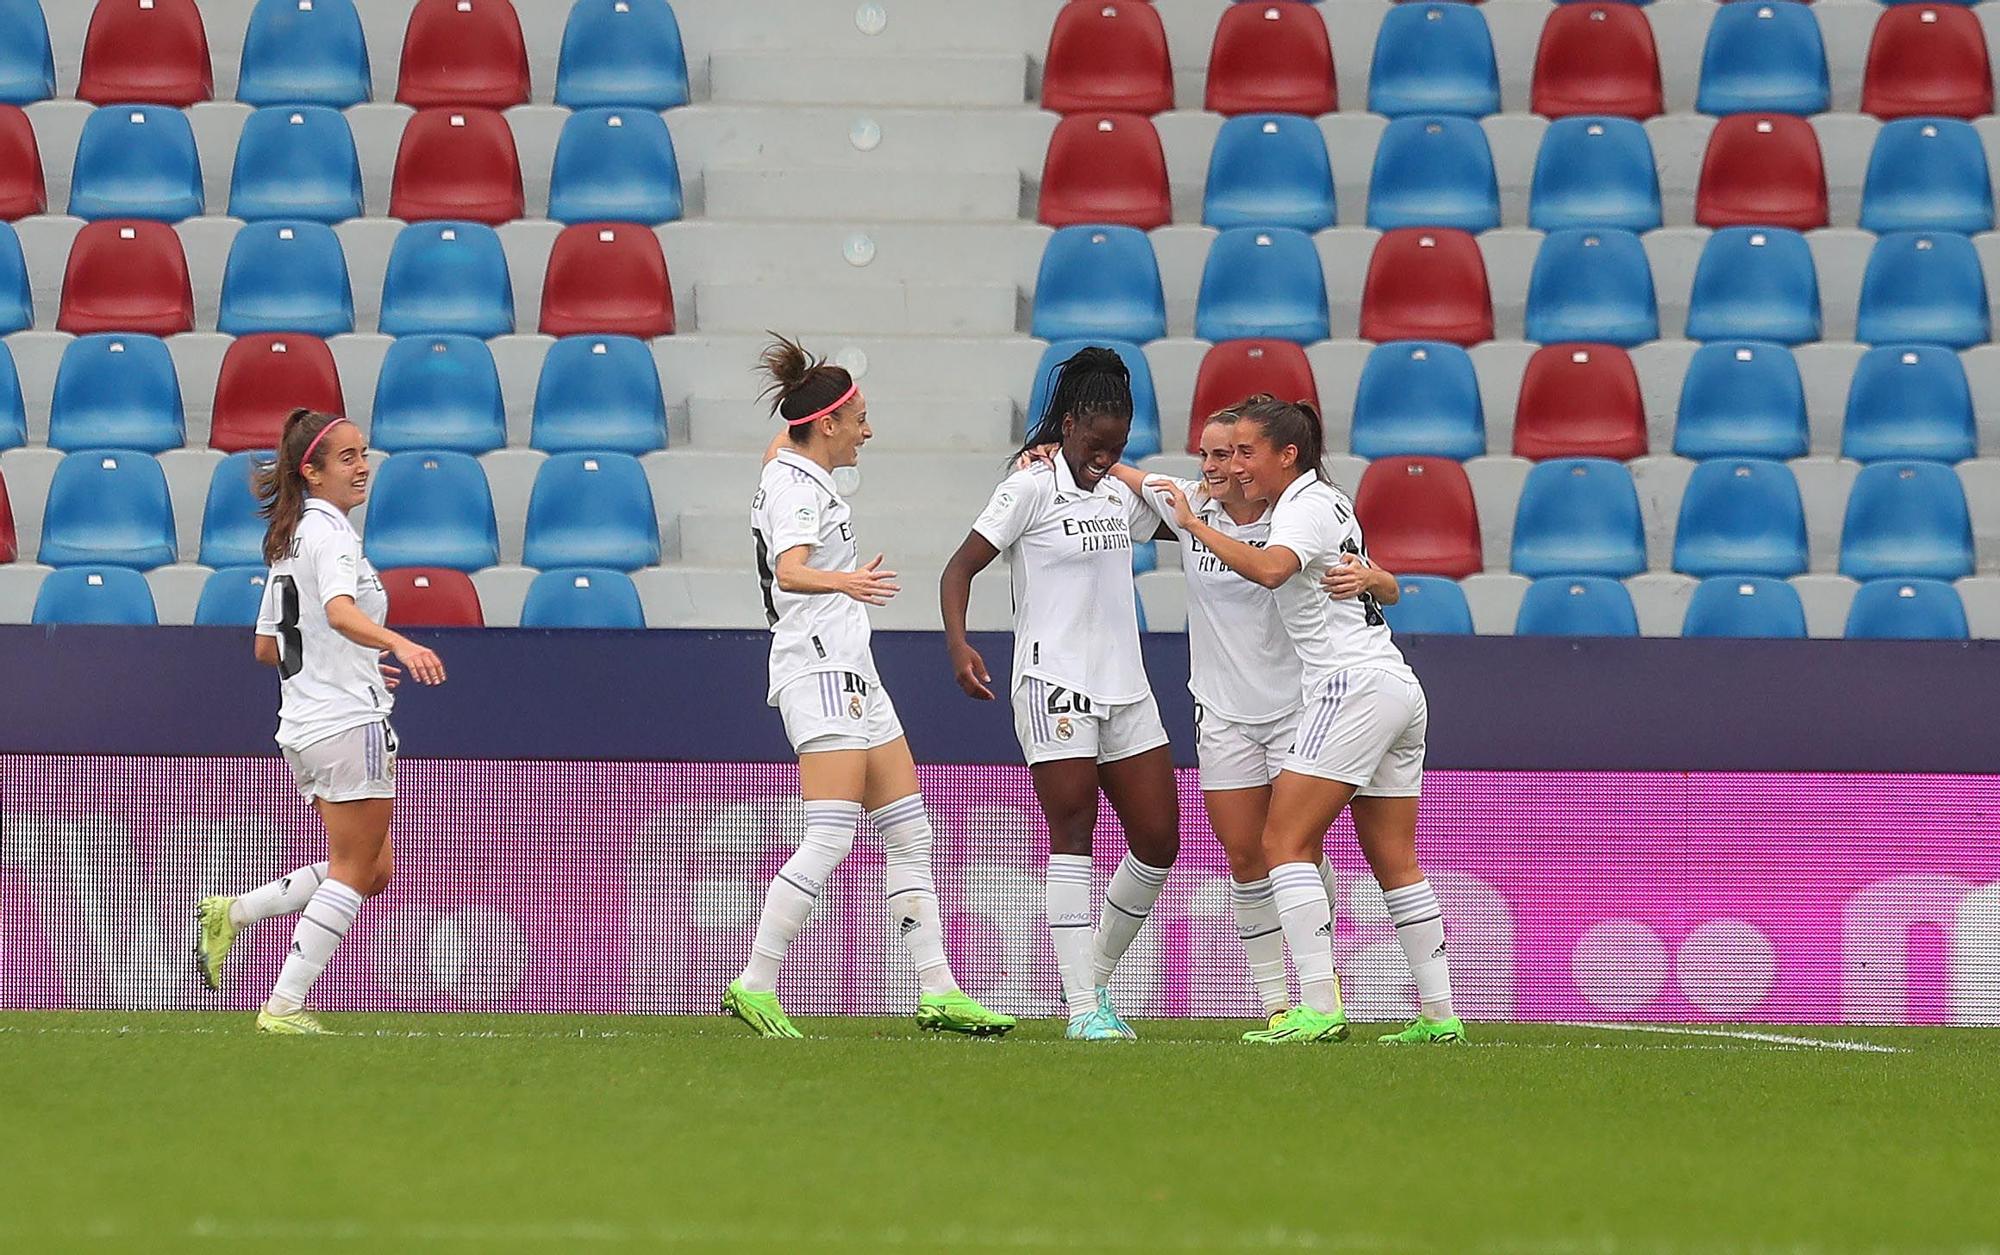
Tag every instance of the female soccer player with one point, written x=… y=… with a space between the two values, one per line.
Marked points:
x=1361 y=736
x=852 y=752
x=1083 y=710
x=321 y=626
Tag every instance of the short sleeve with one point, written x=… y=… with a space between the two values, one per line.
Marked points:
x=267 y=609
x=1010 y=511
x=793 y=512
x=334 y=559
x=1154 y=512
x=1306 y=526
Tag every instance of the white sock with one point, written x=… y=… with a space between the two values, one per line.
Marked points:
x=1128 y=900
x=1420 y=928
x=788 y=903
x=1332 y=883
x=281 y=897
x=1263 y=940
x=323 y=922
x=905 y=829
x=1307 y=918
x=1069 y=929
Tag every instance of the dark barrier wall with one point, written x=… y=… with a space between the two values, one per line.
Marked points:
x=1496 y=702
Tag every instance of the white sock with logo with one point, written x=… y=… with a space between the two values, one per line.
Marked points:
x=1068 y=907
x=281 y=897
x=1263 y=941
x=323 y=922
x=1128 y=900
x=1419 y=922
x=905 y=828
x=1307 y=918
x=798 y=884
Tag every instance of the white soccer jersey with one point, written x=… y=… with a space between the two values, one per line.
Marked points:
x=327 y=684
x=1240 y=663
x=1315 y=520
x=796 y=504
x=1076 y=621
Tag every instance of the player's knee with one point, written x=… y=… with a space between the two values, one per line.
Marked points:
x=1156 y=846
x=1070 y=834
x=1246 y=863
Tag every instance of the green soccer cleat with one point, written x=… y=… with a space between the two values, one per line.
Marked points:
x=1093 y=1026
x=957 y=1012
x=1110 y=1013
x=1424 y=1032
x=298 y=1024
x=759 y=1010
x=1301 y=1024
x=213 y=935
x=1276 y=1017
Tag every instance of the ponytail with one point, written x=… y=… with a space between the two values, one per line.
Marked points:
x=1091 y=383
x=281 y=483
x=801 y=384
x=1291 y=423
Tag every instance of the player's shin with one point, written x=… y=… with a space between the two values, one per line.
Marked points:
x=798 y=884
x=1128 y=901
x=280 y=897
x=1419 y=922
x=1068 y=906
x=322 y=924
x=1263 y=939
x=905 y=829
x=1307 y=918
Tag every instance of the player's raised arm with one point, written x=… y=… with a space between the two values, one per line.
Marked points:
x=1269 y=566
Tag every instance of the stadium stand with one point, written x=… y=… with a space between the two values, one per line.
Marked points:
x=1268 y=170
x=607 y=279
x=1422 y=519
x=1927 y=60
x=1108 y=57
x=1433 y=171
x=136 y=161
x=232 y=529
x=1906 y=610
x=1762 y=170
x=622 y=53
x=1927 y=174
x=264 y=377
x=27 y=63
x=17 y=302
x=1906 y=520
x=117 y=392
x=312 y=53
x=1262 y=283
x=1271 y=57
x=108 y=595
x=1099 y=282
x=463 y=54
x=1429 y=606
x=286 y=275
x=1741 y=517
x=296 y=162
x=618 y=165
x=1594 y=172
x=1599 y=60
x=457 y=164
x=1577 y=605
x=438 y=392
x=447 y=278
x=146 y=51
x=126 y=276
x=1426 y=284
x=583 y=597
x=232 y=596
x=1105 y=167
x=1909 y=402
x=1741 y=399
x=108 y=507
x=1923 y=287
x=431 y=509
x=1418 y=398
x=1764 y=57
x=1755 y=283
x=599 y=393
x=10 y=543
x=13 y=408
x=1434 y=58
x=1744 y=606
x=1579 y=400
x=1592 y=285
x=432 y=597
x=23 y=191
x=592 y=510
x=1235 y=369
x=1579 y=516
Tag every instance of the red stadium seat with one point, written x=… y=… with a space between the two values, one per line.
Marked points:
x=126 y=275
x=1762 y=170
x=432 y=597
x=607 y=278
x=264 y=377
x=1580 y=401
x=22 y=193
x=1427 y=283
x=1418 y=517
x=1236 y=369
x=457 y=164
x=1273 y=57
x=1108 y=55
x=465 y=54
x=1597 y=59
x=1106 y=168
x=1927 y=61
x=10 y=545
x=152 y=52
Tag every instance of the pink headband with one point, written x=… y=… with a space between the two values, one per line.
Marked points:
x=816 y=414
x=316 y=439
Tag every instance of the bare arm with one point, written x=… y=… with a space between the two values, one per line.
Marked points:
x=870 y=585
x=1356 y=576
x=1268 y=567
x=954 y=596
x=344 y=617
x=267 y=650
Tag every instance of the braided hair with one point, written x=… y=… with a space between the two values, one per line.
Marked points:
x=1091 y=383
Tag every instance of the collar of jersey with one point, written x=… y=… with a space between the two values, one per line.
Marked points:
x=810 y=467
x=1294 y=488
x=1212 y=508
x=1066 y=482
x=326 y=507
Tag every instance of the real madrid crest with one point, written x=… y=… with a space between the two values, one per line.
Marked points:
x=1063 y=729
x=854 y=707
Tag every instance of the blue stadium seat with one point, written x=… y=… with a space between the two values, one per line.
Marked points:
x=438 y=392
x=232 y=529
x=1262 y=283
x=1576 y=605
x=1927 y=174
x=1906 y=610
x=1906 y=520
x=592 y=510
x=232 y=596
x=622 y=52
x=583 y=597
x=286 y=275
x=1755 y=283
x=1909 y=401
x=1763 y=56
x=1269 y=170
x=13 y=411
x=1144 y=441
x=1742 y=399
x=1579 y=516
x=448 y=278
x=299 y=53
x=27 y=66
x=297 y=162
x=1741 y=516
x=17 y=302
x=108 y=507
x=1594 y=172
x=1433 y=171
x=431 y=509
x=1923 y=288
x=117 y=392
x=1592 y=286
x=1431 y=606
x=1744 y=606
x=136 y=161
x=615 y=165
x=104 y=595
x=1099 y=282
x=1433 y=58
x=599 y=394
x=1418 y=398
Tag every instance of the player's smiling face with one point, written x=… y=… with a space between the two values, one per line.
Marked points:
x=1218 y=449
x=1093 y=444
x=341 y=478
x=1263 y=469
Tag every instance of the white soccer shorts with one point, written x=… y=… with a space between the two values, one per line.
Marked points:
x=1365 y=727
x=1232 y=755
x=837 y=710
x=1054 y=723
x=348 y=766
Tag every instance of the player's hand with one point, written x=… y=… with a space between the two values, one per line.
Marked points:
x=1349 y=579
x=970 y=670
x=871 y=585
x=1040 y=453
x=422 y=663
x=391 y=675
x=1176 y=500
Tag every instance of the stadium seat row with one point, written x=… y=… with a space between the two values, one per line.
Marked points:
x=456 y=54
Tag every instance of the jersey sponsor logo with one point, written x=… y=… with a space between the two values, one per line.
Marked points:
x=1099 y=535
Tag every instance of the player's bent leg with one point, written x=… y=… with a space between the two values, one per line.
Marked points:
x=1142 y=793
x=829 y=780
x=356 y=832
x=1066 y=789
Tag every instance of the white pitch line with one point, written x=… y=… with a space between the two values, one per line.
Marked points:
x=1773 y=1039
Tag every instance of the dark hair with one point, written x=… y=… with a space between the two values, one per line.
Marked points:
x=1293 y=423
x=800 y=382
x=281 y=482
x=1234 y=413
x=1092 y=383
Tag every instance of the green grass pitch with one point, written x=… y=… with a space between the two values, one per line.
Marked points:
x=167 y=1132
